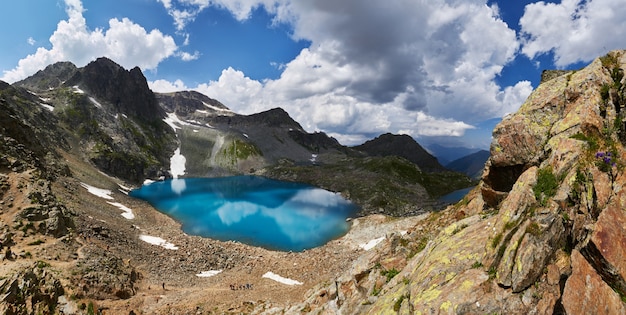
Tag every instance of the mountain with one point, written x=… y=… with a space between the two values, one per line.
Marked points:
x=445 y=155
x=471 y=165
x=403 y=146
x=543 y=232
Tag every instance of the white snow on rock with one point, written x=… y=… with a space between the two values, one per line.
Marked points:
x=275 y=277
x=102 y=193
x=210 y=273
x=174 y=121
x=371 y=244
x=177 y=164
x=128 y=212
x=215 y=108
x=154 y=240
x=78 y=90
x=93 y=100
x=46 y=106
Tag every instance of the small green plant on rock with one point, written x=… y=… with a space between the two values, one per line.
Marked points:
x=546 y=186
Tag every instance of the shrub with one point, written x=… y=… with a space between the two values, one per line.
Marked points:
x=546 y=186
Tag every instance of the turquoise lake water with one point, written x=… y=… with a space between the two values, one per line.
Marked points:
x=253 y=210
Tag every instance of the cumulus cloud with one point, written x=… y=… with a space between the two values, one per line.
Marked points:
x=127 y=43
x=417 y=67
x=574 y=30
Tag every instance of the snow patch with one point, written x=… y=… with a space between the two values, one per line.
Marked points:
x=173 y=120
x=177 y=164
x=313 y=158
x=128 y=212
x=102 y=193
x=245 y=135
x=93 y=100
x=154 y=240
x=371 y=244
x=48 y=107
x=283 y=280
x=210 y=273
x=78 y=90
x=196 y=130
x=148 y=182
x=215 y=108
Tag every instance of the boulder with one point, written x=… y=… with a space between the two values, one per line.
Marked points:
x=586 y=293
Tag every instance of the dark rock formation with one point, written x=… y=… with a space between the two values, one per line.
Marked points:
x=403 y=146
x=124 y=92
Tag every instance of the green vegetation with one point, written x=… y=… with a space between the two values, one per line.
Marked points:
x=496 y=240
x=398 y=303
x=533 y=229
x=36 y=242
x=390 y=273
x=546 y=186
x=390 y=183
x=477 y=264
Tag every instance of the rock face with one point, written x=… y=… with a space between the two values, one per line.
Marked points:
x=402 y=146
x=125 y=92
x=544 y=232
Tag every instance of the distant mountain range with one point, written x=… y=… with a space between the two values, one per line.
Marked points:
x=471 y=165
x=445 y=155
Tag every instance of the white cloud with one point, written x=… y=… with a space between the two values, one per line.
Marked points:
x=127 y=43
x=185 y=56
x=574 y=30
x=422 y=68
x=31 y=41
x=165 y=86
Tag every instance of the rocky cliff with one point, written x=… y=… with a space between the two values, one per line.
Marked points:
x=543 y=233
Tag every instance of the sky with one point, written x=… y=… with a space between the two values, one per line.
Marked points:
x=442 y=71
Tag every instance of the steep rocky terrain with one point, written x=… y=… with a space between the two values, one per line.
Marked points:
x=543 y=233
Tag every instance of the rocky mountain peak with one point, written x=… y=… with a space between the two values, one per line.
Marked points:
x=403 y=146
x=53 y=76
x=122 y=91
x=184 y=103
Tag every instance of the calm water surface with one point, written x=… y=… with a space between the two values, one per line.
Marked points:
x=253 y=210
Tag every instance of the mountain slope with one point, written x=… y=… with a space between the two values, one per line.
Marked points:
x=471 y=165
x=403 y=146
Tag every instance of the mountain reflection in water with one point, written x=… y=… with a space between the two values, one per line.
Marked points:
x=253 y=210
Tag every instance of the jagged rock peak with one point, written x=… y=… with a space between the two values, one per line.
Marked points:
x=125 y=92
x=185 y=102
x=403 y=146
x=53 y=76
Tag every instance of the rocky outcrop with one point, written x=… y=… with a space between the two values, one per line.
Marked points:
x=121 y=91
x=101 y=275
x=32 y=290
x=52 y=77
x=545 y=231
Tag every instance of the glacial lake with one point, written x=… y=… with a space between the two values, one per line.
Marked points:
x=253 y=210
x=456 y=195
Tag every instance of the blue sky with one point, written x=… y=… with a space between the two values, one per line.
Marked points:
x=441 y=71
